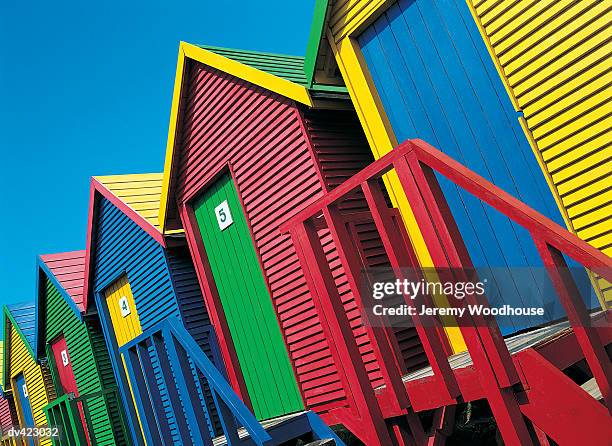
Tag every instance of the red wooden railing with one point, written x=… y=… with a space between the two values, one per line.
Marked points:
x=415 y=162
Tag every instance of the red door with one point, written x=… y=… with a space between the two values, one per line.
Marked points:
x=66 y=375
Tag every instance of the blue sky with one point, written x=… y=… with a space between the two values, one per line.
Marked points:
x=85 y=89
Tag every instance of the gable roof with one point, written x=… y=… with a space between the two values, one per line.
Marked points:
x=314 y=38
x=2 y=368
x=138 y=197
x=140 y=192
x=280 y=74
x=290 y=68
x=22 y=317
x=66 y=272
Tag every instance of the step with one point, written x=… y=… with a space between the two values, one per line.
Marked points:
x=281 y=429
x=515 y=344
x=561 y=408
x=592 y=389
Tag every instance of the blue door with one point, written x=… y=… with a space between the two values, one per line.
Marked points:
x=437 y=82
x=26 y=408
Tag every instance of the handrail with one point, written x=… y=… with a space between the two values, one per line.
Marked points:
x=415 y=163
x=219 y=384
x=516 y=210
x=229 y=405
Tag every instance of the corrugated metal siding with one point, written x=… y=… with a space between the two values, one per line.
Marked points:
x=228 y=120
x=437 y=82
x=60 y=319
x=21 y=361
x=556 y=61
x=342 y=150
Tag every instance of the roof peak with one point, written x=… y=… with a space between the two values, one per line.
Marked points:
x=242 y=50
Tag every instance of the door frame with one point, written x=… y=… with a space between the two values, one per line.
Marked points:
x=209 y=287
x=17 y=395
x=113 y=351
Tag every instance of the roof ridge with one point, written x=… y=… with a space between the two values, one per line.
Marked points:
x=264 y=53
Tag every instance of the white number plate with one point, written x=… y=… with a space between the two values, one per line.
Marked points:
x=64 y=355
x=124 y=306
x=224 y=216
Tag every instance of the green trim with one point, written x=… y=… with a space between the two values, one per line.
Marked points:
x=246 y=304
x=329 y=88
x=314 y=39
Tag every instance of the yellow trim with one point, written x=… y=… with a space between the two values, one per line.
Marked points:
x=176 y=96
x=498 y=66
x=382 y=140
x=265 y=80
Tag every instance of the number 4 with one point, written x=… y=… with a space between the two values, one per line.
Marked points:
x=124 y=307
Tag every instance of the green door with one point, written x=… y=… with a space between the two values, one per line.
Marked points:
x=246 y=303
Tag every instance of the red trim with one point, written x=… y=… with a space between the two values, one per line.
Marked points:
x=213 y=303
x=131 y=213
x=89 y=246
x=360 y=396
x=494 y=372
x=98 y=188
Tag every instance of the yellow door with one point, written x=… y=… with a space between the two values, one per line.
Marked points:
x=124 y=319
x=122 y=310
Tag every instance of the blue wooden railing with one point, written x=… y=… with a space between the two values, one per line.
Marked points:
x=186 y=371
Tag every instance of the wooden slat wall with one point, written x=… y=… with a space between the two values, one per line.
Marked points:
x=194 y=314
x=140 y=192
x=60 y=319
x=259 y=133
x=6 y=413
x=555 y=58
x=341 y=150
x=436 y=82
x=124 y=247
x=22 y=362
x=6 y=419
x=105 y=371
x=347 y=15
x=161 y=283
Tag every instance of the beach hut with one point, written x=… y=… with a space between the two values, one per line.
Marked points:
x=430 y=77
x=561 y=95
x=157 y=330
x=8 y=412
x=88 y=407
x=419 y=69
x=250 y=145
x=29 y=382
x=137 y=278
